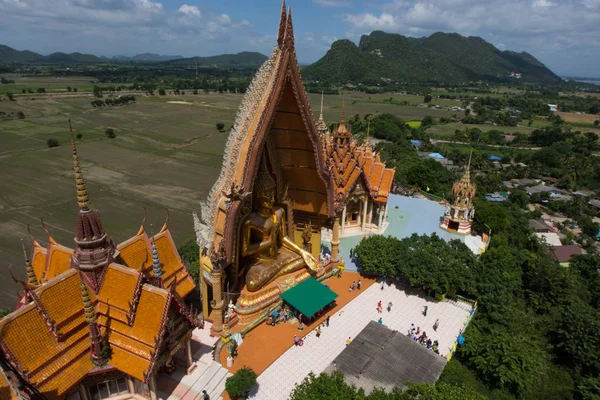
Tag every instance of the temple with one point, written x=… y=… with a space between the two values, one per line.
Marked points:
x=459 y=214
x=261 y=225
x=362 y=183
x=99 y=319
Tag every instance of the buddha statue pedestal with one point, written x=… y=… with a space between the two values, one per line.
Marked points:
x=253 y=305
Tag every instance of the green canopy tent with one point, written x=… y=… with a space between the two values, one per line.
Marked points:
x=309 y=296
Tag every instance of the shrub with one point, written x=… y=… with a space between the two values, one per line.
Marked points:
x=161 y=92
x=20 y=115
x=74 y=89
x=79 y=135
x=220 y=126
x=110 y=133
x=10 y=96
x=240 y=383
x=52 y=142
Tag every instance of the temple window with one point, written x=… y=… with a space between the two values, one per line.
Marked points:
x=107 y=389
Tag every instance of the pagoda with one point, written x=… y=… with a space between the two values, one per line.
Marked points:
x=260 y=227
x=362 y=182
x=98 y=319
x=459 y=214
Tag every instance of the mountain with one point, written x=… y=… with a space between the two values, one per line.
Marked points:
x=243 y=59
x=440 y=58
x=152 y=57
x=8 y=54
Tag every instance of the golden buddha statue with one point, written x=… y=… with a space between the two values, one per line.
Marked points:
x=267 y=252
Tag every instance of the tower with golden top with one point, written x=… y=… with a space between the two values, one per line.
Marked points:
x=459 y=214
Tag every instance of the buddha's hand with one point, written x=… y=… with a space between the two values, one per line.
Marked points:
x=309 y=260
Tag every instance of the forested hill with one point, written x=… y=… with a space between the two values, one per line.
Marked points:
x=440 y=58
x=245 y=59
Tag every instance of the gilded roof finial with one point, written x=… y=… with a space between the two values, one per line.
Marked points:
x=321 y=105
x=31 y=278
x=90 y=311
x=343 y=118
x=82 y=196
x=282 y=24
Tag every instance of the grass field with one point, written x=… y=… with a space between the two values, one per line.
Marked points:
x=51 y=84
x=578 y=118
x=414 y=124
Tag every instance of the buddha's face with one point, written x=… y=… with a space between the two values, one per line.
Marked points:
x=266 y=199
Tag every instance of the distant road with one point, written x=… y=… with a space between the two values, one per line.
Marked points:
x=490 y=145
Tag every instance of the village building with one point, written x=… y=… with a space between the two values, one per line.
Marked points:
x=98 y=320
x=361 y=181
x=459 y=214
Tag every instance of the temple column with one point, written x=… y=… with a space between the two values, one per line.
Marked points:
x=83 y=393
x=385 y=212
x=364 y=216
x=191 y=365
x=130 y=385
x=369 y=212
x=152 y=387
x=217 y=277
x=343 y=219
x=380 y=212
x=203 y=293
x=335 y=242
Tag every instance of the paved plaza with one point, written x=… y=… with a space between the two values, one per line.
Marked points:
x=277 y=381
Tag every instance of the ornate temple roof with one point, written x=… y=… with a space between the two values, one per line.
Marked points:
x=275 y=115
x=50 y=338
x=350 y=161
x=464 y=190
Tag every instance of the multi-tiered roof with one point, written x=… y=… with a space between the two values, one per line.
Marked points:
x=80 y=301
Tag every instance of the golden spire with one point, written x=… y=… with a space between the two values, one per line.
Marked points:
x=321 y=117
x=31 y=278
x=82 y=196
x=282 y=24
x=90 y=311
x=343 y=118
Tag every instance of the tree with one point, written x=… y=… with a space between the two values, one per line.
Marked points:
x=519 y=197
x=79 y=135
x=220 y=126
x=110 y=133
x=20 y=115
x=238 y=385
x=427 y=98
x=75 y=89
x=427 y=122
x=52 y=142
x=161 y=92
x=326 y=387
x=69 y=88
x=10 y=96
x=97 y=91
x=597 y=122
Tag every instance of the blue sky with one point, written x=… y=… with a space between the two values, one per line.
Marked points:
x=564 y=34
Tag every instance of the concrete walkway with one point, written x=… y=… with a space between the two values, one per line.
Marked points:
x=277 y=381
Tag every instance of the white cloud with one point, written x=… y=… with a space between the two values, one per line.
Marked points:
x=385 y=21
x=333 y=3
x=541 y=3
x=329 y=39
x=310 y=36
x=189 y=10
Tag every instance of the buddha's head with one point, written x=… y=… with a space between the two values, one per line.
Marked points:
x=264 y=190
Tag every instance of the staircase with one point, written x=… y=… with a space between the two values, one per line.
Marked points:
x=210 y=377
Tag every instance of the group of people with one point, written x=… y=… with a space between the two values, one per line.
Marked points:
x=355 y=286
x=421 y=338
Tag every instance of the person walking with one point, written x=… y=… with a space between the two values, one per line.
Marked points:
x=353 y=285
x=348 y=341
x=379 y=304
x=205 y=395
x=319 y=331
x=359 y=284
x=382 y=283
x=285 y=315
x=389 y=308
x=327 y=321
x=296 y=340
x=425 y=311
x=380 y=320
x=436 y=325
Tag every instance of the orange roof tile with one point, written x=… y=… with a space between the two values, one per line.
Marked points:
x=118 y=288
x=57 y=260
x=136 y=252
x=38 y=261
x=133 y=365
x=172 y=264
x=68 y=376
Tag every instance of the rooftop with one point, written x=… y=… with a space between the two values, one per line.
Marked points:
x=382 y=357
x=563 y=254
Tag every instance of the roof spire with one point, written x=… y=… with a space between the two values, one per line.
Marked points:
x=31 y=278
x=343 y=118
x=289 y=30
x=282 y=24
x=156 y=265
x=321 y=104
x=82 y=196
x=90 y=318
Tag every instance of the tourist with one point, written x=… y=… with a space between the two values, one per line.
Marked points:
x=425 y=311
x=389 y=308
x=382 y=285
x=436 y=325
x=319 y=331
x=348 y=341
x=380 y=320
x=296 y=340
x=379 y=304
x=353 y=285
x=327 y=321
x=418 y=329
x=285 y=315
x=359 y=284
x=205 y=395
x=412 y=328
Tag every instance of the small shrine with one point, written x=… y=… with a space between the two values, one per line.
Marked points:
x=459 y=214
x=260 y=227
x=362 y=182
